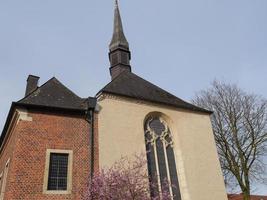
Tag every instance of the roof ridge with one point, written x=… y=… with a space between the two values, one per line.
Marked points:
x=69 y=90
x=51 y=79
x=35 y=90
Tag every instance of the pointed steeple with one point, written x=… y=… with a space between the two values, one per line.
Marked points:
x=118 y=40
x=119 y=53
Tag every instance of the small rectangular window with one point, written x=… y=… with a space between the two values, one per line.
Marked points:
x=58 y=172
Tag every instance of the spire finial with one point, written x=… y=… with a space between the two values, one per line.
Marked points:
x=116 y=3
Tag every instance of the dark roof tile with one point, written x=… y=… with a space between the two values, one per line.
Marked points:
x=54 y=94
x=130 y=85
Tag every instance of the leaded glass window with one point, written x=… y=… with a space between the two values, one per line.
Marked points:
x=160 y=157
x=58 y=171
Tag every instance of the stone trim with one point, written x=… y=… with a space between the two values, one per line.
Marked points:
x=46 y=172
x=24 y=115
x=4 y=182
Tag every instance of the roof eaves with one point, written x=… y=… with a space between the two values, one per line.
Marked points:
x=51 y=108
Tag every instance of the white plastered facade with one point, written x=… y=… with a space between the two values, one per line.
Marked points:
x=121 y=133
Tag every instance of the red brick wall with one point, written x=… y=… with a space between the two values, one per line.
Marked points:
x=32 y=139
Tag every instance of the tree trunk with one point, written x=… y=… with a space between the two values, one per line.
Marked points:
x=246 y=195
x=246 y=190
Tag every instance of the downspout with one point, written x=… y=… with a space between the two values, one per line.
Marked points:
x=90 y=119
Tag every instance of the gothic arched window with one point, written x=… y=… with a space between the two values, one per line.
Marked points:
x=160 y=157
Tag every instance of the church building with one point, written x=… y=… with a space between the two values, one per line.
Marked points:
x=53 y=140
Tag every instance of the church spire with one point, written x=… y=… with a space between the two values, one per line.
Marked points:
x=118 y=40
x=119 y=53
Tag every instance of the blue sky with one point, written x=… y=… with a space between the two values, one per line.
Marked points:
x=180 y=45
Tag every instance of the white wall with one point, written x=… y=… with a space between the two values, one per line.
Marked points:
x=121 y=133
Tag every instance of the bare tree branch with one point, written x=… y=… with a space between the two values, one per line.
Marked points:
x=240 y=130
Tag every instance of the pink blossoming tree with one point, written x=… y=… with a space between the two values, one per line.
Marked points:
x=126 y=179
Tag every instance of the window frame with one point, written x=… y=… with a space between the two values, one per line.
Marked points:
x=69 y=174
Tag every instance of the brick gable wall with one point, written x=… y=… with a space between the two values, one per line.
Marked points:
x=31 y=139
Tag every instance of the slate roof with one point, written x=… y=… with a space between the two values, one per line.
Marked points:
x=118 y=39
x=54 y=94
x=130 y=85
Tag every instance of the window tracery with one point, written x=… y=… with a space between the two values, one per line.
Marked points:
x=160 y=156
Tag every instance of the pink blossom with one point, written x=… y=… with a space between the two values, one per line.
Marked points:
x=127 y=179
